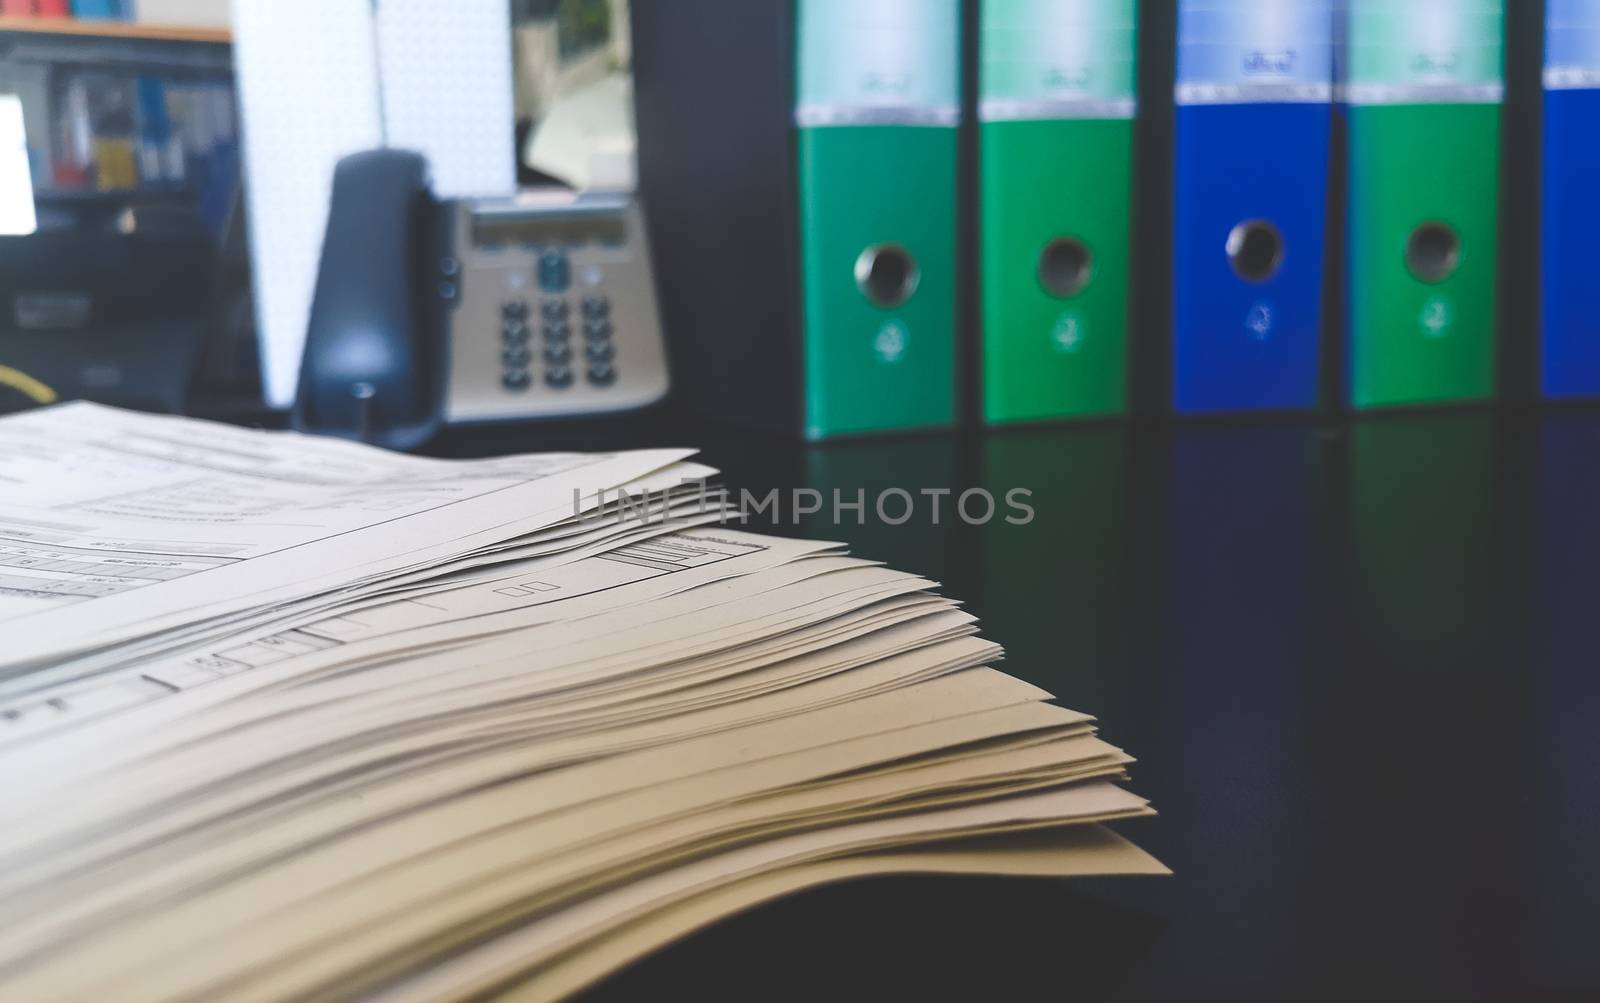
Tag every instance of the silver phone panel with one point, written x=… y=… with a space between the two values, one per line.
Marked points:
x=557 y=310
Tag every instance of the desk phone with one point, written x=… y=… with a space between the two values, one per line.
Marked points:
x=430 y=312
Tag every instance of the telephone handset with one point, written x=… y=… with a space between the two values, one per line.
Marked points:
x=428 y=312
x=371 y=370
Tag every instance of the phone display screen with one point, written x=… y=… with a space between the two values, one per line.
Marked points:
x=491 y=231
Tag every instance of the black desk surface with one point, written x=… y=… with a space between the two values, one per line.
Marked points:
x=1358 y=664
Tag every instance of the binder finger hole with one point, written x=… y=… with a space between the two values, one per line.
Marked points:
x=1255 y=250
x=887 y=275
x=1065 y=267
x=1433 y=252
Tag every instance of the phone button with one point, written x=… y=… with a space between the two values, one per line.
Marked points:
x=559 y=377
x=514 y=309
x=599 y=351
x=554 y=310
x=602 y=374
x=516 y=356
x=515 y=379
x=514 y=332
x=557 y=332
x=559 y=354
x=555 y=272
x=597 y=330
x=596 y=307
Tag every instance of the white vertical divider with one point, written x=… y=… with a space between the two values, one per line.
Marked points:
x=447 y=91
x=307 y=73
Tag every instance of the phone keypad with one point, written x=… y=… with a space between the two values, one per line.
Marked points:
x=556 y=319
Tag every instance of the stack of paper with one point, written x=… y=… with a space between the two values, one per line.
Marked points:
x=284 y=718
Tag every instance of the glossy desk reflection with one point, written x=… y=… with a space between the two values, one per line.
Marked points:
x=1358 y=665
x=1558 y=851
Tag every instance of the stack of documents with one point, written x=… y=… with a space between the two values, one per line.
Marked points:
x=284 y=718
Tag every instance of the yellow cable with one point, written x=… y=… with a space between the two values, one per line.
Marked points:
x=30 y=387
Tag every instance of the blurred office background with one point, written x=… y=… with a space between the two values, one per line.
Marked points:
x=1355 y=650
x=130 y=122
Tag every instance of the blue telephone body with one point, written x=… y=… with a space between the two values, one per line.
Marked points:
x=431 y=312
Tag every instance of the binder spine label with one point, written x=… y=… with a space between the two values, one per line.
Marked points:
x=1254 y=51
x=1420 y=52
x=1572 y=45
x=878 y=62
x=1058 y=59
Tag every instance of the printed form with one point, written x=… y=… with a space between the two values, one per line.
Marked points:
x=116 y=525
x=697 y=557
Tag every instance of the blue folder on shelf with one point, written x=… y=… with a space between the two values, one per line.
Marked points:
x=1571 y=213
x=1254 y=123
